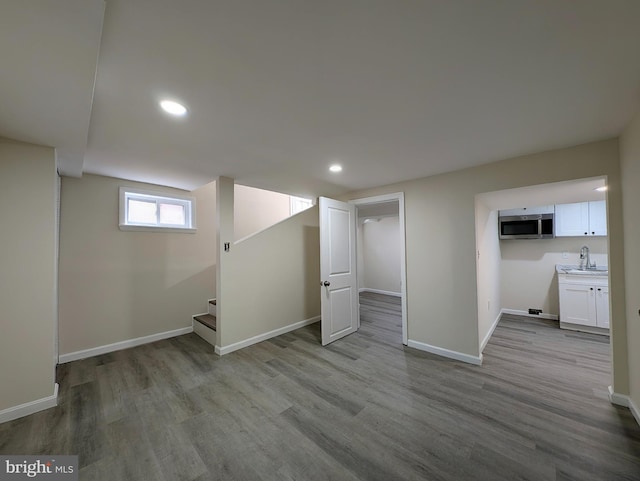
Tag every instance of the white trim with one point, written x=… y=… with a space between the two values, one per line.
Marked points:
x=399 y=196
x=188 y=202
x=153 y=228
x=625 y=401
x=117 y=346
x=458 y=356
x=380 y=291
x=518 y=312
x=377 y=199
x=490 y=332
x=618 y=399
x=603 y=331
x=56 y=270
x=31 y=407
x=634 y=410
x=263 y=337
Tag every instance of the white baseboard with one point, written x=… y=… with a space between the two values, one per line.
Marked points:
x=31 y=407
x=542 y=315
x=634 y=410
x=579 y=327
x=458 y=356
x=263 y=337
x=625 y=401
x=490 y=332
x=380 y=291
x=117 y=346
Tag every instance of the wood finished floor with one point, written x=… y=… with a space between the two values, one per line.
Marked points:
x=363 y=408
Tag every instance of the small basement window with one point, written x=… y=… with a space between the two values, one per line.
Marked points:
x=298 y=204
x=144 y=210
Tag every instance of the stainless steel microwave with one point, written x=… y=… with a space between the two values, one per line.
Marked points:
x=534 y=226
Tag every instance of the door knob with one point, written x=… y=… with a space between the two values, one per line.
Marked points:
x=325 y=283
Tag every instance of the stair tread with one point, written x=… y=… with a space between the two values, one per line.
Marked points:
x=208 y=320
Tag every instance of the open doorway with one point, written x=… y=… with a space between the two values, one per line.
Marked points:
x=521 y=279
x=381 y=260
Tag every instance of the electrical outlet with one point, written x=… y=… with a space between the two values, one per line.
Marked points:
x=488 y=305
x=565 y=255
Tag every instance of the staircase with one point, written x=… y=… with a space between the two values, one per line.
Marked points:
x=204 y=325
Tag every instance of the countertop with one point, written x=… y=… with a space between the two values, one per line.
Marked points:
x=575 y=270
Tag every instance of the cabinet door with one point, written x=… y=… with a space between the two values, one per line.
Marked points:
x=598 y=218
x=602 y=307
x=578 y=304
x=541 y=209
x=572 y=219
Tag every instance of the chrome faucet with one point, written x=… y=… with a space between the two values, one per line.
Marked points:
x=585 y=260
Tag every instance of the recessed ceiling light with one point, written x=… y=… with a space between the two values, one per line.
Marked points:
x=601 y=189
x=173 y=108
x=335 y=168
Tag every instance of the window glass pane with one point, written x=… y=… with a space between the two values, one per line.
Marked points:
x=141 y=212
x=172 y=214
x=298 y=204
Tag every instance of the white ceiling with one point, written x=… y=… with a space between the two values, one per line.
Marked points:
x=279 y=89
x=48 y=58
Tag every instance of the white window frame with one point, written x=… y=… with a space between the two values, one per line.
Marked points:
x=295 y=201
x=189 y=204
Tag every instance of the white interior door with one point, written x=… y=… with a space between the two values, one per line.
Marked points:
x=339 y=286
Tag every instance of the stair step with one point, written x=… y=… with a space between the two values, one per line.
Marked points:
x=207 y=320
x=213 y=301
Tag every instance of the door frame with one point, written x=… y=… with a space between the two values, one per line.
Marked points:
x=399 y=196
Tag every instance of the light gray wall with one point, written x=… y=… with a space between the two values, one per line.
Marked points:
x=630 y=164
x=381 y=255
x=529 y=269
x=487 y=270
x=442 y=283
x=257 y=209
x=28 y=182
x=118 y=285
x=269 y=280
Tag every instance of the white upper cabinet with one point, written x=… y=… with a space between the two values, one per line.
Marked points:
x=581 y=219
x=572 y=219
x=542 y=209
x=598 y=218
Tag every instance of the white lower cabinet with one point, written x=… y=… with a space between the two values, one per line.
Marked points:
x=584 y=300
x=602 y=306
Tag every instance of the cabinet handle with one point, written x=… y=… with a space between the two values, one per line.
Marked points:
x=586 y=233
x=593 y=233
x=599 y=289
x=591 y=288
